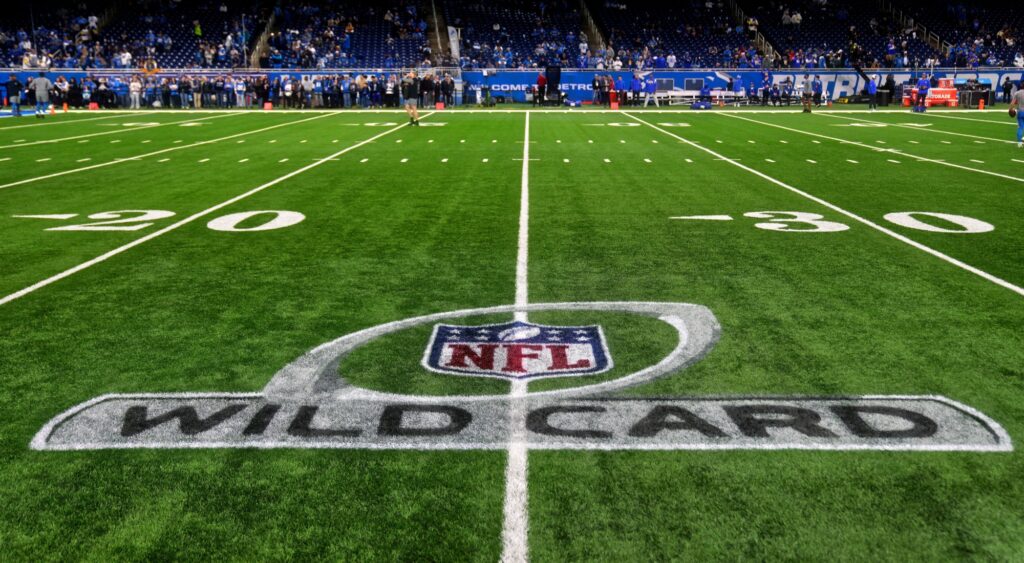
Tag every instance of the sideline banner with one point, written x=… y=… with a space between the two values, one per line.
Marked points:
x=514 y=84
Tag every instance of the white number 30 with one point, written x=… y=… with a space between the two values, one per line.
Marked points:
x=786 y=220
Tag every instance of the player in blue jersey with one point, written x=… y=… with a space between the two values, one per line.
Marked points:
x=1015 y=111
x=923 y=84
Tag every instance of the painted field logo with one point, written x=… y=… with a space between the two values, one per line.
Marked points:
x=517 y=350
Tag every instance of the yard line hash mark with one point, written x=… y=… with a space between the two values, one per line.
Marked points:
x=154 y=153
x=863 y=145
x=922 y=247
x=704 y=218
x=125 y=247
x=114 y=132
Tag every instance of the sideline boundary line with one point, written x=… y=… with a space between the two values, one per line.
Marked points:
x=457 y=110
x=154 y=153
x=940 y=255
x=905 y=126
x=174 y=226
x=112 y=132
x=877 y=149
x=960 y=117
x=61 y=122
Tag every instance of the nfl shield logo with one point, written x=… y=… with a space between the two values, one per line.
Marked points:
x=517 y=350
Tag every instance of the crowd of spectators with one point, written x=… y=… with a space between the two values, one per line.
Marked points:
x=979 y=36
x=698 y=34
x=639 y=35
x=141 y=91
x=529 y=34
x=150 y=35
x=327 y=36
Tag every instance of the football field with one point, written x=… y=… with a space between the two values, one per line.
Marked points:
x=521 y=335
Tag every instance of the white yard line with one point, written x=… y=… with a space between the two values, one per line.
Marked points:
x=113 y=132
x=154 y=153
x=65 y=122
x=112 y=253
x=515 y=529
x=926 y=129
x=877 y=149
x=944 y=257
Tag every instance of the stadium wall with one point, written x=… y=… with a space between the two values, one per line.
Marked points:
x=514 y=84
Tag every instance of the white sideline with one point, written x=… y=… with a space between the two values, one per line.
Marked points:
x=111 y=132
x=110 y=254
x=682 y=109
x=516 y=523
x=154 y=153
x=990 y=121
x=944 y=257
x=62 y=122
x=939 y=131
x=876 y=149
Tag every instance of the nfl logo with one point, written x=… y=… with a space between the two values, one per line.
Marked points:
x=517 y=350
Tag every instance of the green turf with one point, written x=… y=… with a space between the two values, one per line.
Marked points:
x=834 y=313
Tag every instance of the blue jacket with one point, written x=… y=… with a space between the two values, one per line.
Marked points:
x=872 y=87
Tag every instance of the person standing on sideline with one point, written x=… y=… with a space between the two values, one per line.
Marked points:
x=14 y=88
x=635 y=88
x=1007 y=90
x=135 y=92
x=411 y=93
x=1016 y=104
x=42 y=86
x=807 y=93
x=923 y=84
x=873 y=92
x=817 y=88
x=651 y=91
x=542 y=85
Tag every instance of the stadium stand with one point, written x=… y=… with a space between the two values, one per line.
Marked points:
x=522 y=35
x=979 y=34
x=819 y=34
x=699 y=33
x=345 y=36
x=60 y=38
x=149 y=33
x=201 y=35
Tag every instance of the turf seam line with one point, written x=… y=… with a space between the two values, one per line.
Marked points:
x=112 y=132
x=154 y=153
x=940 y=255
x=111 y=253
x=876 y=149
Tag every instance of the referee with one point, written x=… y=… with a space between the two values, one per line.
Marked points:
x=411 y=93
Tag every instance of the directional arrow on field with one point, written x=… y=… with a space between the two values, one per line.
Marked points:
x=58 y=216
x=705 y=218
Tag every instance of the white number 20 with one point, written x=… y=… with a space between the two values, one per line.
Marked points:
x=786 y=220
